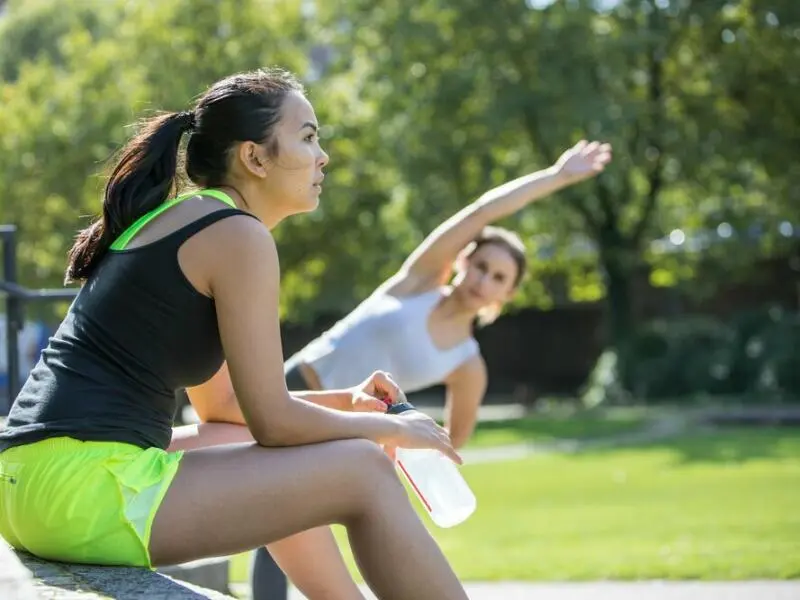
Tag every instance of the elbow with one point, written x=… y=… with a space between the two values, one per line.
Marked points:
x=273 y=435
x=460 y=439
x=268 y=440
x=276 y=429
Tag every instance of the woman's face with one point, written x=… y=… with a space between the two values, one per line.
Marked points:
x=293 y=175
x=487 y=278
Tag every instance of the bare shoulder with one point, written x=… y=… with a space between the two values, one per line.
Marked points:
x=238 y=237
x=405 y=283
x=229 y=252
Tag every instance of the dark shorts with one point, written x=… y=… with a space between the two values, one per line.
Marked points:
x=295 y=382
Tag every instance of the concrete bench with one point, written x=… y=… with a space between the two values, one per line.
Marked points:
x=26 y=577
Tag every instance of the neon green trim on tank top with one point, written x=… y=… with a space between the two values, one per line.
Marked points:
x=125 y=238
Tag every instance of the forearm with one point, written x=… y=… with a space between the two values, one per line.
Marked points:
x=338 y=399
x=299 y=422
x=513 y=196
x=229 y=411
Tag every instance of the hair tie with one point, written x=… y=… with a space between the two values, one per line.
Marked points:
x=187 y=119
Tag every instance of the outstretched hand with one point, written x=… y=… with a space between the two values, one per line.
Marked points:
x=583 y=160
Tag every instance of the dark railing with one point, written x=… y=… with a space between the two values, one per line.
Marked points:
x=17 y=297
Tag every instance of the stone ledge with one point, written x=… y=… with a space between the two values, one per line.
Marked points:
x=26 y=577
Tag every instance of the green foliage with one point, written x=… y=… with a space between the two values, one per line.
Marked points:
x=424 y=108
x=753 y=355
x=66 y=102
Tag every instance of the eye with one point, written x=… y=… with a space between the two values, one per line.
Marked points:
x=499 y=277
x=311 y=137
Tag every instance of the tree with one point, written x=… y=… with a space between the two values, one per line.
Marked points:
x=467 y=97
x=74 y=79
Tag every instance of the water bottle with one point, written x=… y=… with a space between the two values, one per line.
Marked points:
x=436 y=480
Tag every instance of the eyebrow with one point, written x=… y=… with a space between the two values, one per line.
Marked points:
x=309 y=124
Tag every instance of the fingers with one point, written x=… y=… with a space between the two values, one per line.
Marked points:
x=599 y=155
x=446 y=445
x=383 y=385
x=595 y=149
x=370 y=404
x=448 y=450
x=579 y=146
x=590 y=148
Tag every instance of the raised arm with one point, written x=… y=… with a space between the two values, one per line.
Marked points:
x=435 y=255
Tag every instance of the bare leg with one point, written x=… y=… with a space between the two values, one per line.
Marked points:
x=311 y=559
x=313 y=562
x=231 y=499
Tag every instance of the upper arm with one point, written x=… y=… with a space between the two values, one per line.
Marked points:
x=244 y=282
x=434 y=257
x=215 y=400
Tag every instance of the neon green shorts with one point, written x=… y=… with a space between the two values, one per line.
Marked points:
x=83 y=502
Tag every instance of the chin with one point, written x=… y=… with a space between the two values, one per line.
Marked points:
x=309 y=205
x=469 y=302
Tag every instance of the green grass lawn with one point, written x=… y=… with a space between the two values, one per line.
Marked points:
x=547 y=427
x=706 y=506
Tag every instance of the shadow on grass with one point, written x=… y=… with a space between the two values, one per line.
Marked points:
x=731 y=445
x=587 y=425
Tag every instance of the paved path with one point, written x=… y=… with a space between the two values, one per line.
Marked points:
x=744 y=590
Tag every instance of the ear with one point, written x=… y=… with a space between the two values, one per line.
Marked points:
x=253 y=159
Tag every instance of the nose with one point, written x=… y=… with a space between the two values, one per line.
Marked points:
x=323 y=158
x=482 y=284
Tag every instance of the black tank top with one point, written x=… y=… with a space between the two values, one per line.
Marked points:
x=136 y=333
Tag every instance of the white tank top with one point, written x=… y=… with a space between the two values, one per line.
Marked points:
x=389 y=334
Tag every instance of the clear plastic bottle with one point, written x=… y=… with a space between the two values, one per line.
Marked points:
x=436 y=480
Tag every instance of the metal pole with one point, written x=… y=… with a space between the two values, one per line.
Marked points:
x=13 y=312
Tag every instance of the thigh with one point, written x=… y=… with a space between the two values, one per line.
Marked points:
x=233 y=498
x=311 y=559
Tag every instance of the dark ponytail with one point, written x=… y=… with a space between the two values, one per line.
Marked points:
x=143 y=178
x=242 y=107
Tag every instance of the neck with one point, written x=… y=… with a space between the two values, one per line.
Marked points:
x=244 y=196
x=454 y=310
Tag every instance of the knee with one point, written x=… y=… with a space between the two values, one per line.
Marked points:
x=367 y=462
x=370 y=455
x=365 y=476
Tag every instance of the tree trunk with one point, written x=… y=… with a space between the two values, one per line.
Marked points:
x=619 y=307
x=618 y=266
